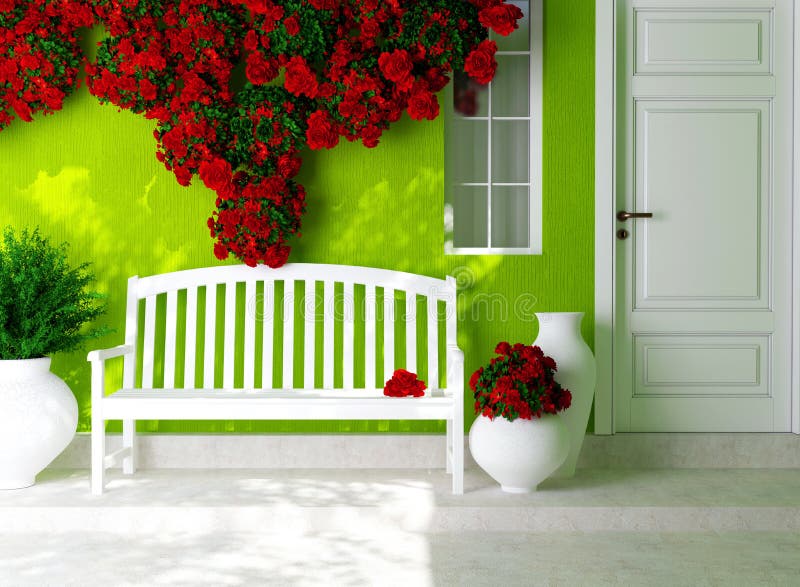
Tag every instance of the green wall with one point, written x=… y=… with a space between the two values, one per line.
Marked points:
x=88 y=175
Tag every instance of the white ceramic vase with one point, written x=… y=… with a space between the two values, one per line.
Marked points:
x=520 y=454
x=38 y=418
x=560 y=338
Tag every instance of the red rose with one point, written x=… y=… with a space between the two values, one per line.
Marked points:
x=436 y=79
x=480 y=63
x=502 y=18
x=291 y=25
x=473 y=381
x=220 y=251
x=323 y=4
x=503 y=348
x=403 y=384
x=320 y=133
x=288 y=166
x=147 y=89
x=53 y=98
x=259 y=6
x=8 y=69
x=396 y=67
x=300 y=79
x=216 y=174
x=251 y=40
x=423 y=105
x=29 y=62
x=370 y=28
x=22 y=110
x=370 y=136
x=259 y=70
x=276 y=255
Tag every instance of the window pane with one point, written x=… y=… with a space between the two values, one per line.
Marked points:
x=510 y=216
x=469 y=146
x=470 y=227
x=510 y=157
x=519 y=39
x=511 y=86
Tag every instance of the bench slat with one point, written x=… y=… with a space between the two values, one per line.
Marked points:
x=250 y=312
x=191 y=337
x=388 y=333
x=348 y=318
x=210 y=335
x=411 y=331
x=229 y=350
x=169 y=339
x=148 y=354
x=370 y=311
x=433 y=343
x=268 y=337
x=288 y=333
x=329 y=310
x=309 y=319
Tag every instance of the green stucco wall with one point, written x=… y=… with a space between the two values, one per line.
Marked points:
x=88 y=175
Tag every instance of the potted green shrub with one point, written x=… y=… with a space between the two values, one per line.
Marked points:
x=44 y=309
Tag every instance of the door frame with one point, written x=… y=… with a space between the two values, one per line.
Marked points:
x=605 y=223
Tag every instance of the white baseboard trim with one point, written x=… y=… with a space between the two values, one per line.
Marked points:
x=743 y=450
x=239 y=451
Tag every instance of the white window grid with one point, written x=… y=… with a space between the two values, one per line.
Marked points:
x=534 y=183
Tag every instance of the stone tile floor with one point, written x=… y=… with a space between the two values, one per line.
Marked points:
x=403 y=527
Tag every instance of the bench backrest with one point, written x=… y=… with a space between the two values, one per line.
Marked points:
x=299 y=326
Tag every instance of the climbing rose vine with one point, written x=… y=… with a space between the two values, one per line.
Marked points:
x=238 y=88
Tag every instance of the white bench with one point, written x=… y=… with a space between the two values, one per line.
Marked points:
x=240 y=306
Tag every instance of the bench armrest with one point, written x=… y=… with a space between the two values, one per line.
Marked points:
x=455 y=369
x=105 y=354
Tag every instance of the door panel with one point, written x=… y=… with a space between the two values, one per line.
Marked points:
x=701 y=365
x=702 y=304
x=703 y=169
x=692 y=41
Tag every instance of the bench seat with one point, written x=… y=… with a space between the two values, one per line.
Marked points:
x=277 y=404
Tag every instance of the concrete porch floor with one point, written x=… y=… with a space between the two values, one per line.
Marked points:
x=403 y=527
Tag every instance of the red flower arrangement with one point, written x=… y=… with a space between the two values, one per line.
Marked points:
x=238 y=87
x=404 y=383
x=518 y=383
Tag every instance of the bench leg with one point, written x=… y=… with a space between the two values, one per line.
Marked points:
x=449 y=448
x=129 y=441
x=458 y=453
x=98 y=455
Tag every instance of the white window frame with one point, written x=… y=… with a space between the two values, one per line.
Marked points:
x=534 y=182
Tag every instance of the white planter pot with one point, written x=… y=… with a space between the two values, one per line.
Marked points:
x=520 y=454
x=560 y=338
x=38 y=418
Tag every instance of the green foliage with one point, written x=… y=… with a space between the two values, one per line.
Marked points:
x=44 y=303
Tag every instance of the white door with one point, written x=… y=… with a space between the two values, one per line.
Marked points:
x=703 y=317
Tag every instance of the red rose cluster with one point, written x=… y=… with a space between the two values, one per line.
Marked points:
x=39 y=55
x=403 y=384
x=238 y=87
x=518 y=383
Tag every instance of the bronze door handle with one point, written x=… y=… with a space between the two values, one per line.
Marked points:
x=622 y=215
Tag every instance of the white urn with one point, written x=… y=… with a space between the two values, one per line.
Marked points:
x=519 y=454
x=38 y=419
x=560 y=338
